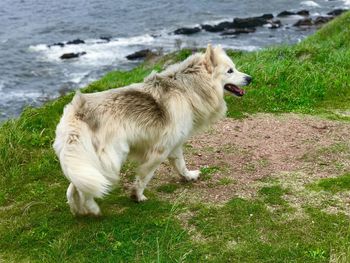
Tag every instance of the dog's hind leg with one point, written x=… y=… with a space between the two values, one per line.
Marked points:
x=80 y=203
x=145 y=174
x=176 y=158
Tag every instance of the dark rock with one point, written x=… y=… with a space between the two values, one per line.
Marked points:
x=210 y=28
x=289 y=13
x=156 y=35
x=238 y=31
x=322 y=20
x=337 y=12
x=286 y=13
x=303 y=13
x=266 y=16
x=60 y=44
x=76 y=42
x=252 y=21
x=304 y=22
x=140 y=54
x=225 y=25
x=239 y=23
x=106 y=38
x=72 y=55
x=187 y=30
x=219 y=27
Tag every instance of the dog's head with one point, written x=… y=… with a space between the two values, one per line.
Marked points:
x=224 y=70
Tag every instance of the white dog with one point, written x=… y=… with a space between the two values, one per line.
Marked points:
x=147 y=122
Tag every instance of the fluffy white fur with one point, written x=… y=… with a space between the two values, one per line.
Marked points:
x=147 y=122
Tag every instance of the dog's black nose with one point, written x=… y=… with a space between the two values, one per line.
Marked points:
x=248 y=79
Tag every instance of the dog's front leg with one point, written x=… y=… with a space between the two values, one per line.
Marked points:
x=177 y=160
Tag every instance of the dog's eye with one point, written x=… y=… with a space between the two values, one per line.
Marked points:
x=230 y=71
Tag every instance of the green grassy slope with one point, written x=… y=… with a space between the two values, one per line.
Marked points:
x=310 y=77
x=36 y=225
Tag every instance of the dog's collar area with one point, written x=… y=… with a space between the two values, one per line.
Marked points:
x=234 y=89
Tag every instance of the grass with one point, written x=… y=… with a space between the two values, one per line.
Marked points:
x=168 y=188
x=36 y=225
x=208 y=172
x=311 y=77
x=273 y=194
x=246 y=231
x=334 y=185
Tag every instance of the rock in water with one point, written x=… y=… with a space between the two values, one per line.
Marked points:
x=252 y=21
x=337 y=12
x=106 y=38
x=140 y=54
x=72 y=55
x=76 y=42
x=187 y=30
x=290 y=13
x=286 y=13
x=307 y=22
x=322 y=20
x=219 y=27
x=303 y=13
x=60 y=44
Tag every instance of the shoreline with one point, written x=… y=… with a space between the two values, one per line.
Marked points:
x=73 y=55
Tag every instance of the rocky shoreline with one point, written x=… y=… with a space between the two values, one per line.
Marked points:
x=300 y=19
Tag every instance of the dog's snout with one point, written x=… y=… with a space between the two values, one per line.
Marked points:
x=248 y=79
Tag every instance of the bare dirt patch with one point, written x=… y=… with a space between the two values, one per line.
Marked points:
x=264 y=145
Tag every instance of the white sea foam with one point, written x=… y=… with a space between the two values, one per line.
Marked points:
x=98 y=52
x=310 y=3
x=346 y=3
x=105 y=53
x=217 y=21
x=40 y=47
x=245 y=48
x=78 y=77
x=10 y=96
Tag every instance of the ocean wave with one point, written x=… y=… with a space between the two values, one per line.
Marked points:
x=38 y=48
x=78 y=77
x=346 y=3
x=99 y=52
x=310 y=4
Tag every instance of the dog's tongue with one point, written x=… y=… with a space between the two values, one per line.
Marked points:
x=234 y=89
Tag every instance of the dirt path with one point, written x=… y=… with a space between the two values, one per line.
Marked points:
x=237 y=154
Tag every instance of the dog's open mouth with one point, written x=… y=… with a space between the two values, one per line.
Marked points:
x=234 y=89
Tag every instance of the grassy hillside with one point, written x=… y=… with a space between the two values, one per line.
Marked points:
x=36 y=225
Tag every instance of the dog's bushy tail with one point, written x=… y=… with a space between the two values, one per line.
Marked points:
x=78 y=157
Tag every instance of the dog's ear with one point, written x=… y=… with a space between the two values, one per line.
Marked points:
x=218 y=49
x=209 y=59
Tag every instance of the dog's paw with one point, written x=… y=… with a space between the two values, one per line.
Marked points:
x=138 y=198
x=192 y=175
x=142 y=198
